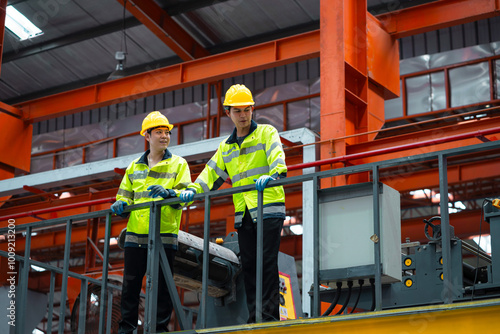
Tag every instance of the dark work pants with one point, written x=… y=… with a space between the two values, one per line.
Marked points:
x=247 y=239
x=136 y=260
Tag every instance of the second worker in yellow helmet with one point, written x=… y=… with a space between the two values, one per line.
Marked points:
x=252 y=154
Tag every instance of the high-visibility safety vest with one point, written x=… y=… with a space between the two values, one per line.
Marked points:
x=172 y=172
x=261 y=153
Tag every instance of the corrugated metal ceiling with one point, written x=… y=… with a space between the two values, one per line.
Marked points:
x=81 y=37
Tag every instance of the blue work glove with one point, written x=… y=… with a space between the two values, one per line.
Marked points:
x=187 y=195
x=157 y=190
x=261 y=183
x=118 y=206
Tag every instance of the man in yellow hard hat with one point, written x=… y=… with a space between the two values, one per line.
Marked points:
x=157 y=174
x=252 y=154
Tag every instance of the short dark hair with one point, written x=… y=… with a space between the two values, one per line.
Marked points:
x=156 y=127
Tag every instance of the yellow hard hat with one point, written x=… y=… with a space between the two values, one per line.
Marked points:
x=155 y=119
x=237 y=96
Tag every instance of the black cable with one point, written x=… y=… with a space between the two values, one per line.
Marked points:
x=372 y=282
x=124 y=40
x=349 y=285
x=360 y=282
x=478 y=249
x=335 y=300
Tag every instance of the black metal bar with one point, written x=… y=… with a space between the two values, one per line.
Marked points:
x=204 y=279
x=154 y=244
x=167 y=274
x=109 y=316
x=316 y=301
x=445 y=229
x=50 y=312
x=377 y=238
x=82 y=317
x=104 y=278
x=260 y=249
x=23 y=284
x=64 y=287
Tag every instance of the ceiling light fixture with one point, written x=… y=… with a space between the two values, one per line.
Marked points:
x=121 y=56
x=20 y=25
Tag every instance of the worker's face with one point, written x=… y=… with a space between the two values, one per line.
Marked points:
x=241 y=116
x=158 y=139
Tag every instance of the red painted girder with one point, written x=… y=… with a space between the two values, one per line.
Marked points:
x=428 y=179
x=437 y=15
x=15 y=143
x=433 y=137
x=246 y=60
x=166 y=29
x=10 y=110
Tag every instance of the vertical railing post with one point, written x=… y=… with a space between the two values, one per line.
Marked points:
x=23 y=286
x=104 y=278
x=260 y=252
x=206 y=249
x=50 y=312
x=109 y=313
x=172 y=290
x=377 y=238
x=316 y=302
x=152 y=269
x=64 y=283
x=82 y=317
x=445 y=229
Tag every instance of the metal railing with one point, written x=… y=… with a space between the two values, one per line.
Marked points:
x=156 y=255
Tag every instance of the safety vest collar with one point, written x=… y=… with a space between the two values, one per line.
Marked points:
x=144 y=158
x=232 y=138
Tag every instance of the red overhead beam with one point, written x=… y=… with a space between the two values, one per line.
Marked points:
x=165 y=28
x=437 y=15
x=10 y=110
x=246 y=60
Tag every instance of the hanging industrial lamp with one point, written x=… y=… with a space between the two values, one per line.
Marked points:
x=120 y=56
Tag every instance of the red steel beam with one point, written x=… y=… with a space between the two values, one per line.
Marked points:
x=437 y=15
x=396 y=148
x=165 y=28
x=208 y=69
x=413 y=180
x=10 y=110
x=431 y=140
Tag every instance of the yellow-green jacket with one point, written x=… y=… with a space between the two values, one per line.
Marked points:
x=261 y=153
x=172 y=172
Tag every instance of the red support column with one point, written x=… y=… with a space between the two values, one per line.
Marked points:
x=359 y=70
x=332 y=68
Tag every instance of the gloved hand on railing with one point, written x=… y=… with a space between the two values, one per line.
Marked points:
x=187 y=195
x=118 y=207
x=261 y=183
x=157 y=190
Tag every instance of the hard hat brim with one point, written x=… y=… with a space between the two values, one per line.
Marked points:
x=240 y=104
x=170 y=127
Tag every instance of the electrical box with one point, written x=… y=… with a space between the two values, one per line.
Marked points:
x=347 y=238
